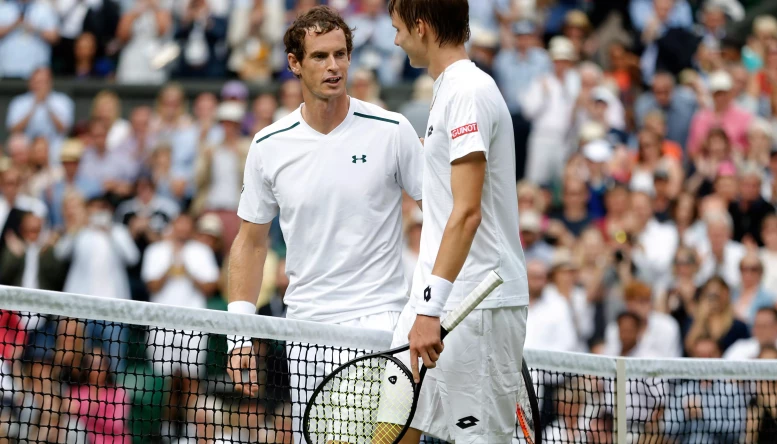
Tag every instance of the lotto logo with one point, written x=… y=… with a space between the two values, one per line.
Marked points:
x=465 y=129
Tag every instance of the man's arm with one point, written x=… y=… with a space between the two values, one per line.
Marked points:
x=246 y=263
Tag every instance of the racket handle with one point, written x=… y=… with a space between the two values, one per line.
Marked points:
x=470 y=302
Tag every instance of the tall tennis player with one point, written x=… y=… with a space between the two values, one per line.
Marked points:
x=334 y=169
x=470 y=226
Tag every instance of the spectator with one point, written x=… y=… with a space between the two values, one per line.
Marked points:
x=534 y=246
x=209 y=130
x=237 y=92
x=685 y=220
x=750 y=209
x=87 y=64
x=264 y=108
x=19 y=154
x=714 y=317
x=551 y=323
x=653 y=244
x=416 y=110
x=373 y=44
x=43 y=174
x=210 y=232
x=202 y=34
x=760 y=142
x=138 y=143
x=20 y=258
x=218 y=172
x=114 y=170
x=290 y=98
x=563 y=285
x=42 y=112
x=255 y=28
x=28 y=29
x=616 y=203
x=654 y=20
x=650 y=161
x=14 y=204
x=68 y=181
x=720 y=255
x=106 y=108
x=182 y=272
x=715 y=152
x=142 y=31
x=658 y=334
x=276 y=307
x=724 y=113
x=679 y=297
x=751 y=296
x=655 y=121
x=597 y=154
x=574 y=210
x=764 y=337
x=549 y=105
x=677 y=103
x=769 y=252
x=365 y=87
x=596 y=102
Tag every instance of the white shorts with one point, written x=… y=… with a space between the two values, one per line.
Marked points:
x=309 y=364
x=174 y=351
x=470 y=397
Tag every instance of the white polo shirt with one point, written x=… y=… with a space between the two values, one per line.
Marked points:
x=339 y=197
x=469 y=115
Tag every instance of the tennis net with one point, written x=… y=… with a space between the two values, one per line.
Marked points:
x=91 y=370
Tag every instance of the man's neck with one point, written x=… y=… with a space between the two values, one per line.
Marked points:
x=325 y=115
x=575 y=214
x=445 y=57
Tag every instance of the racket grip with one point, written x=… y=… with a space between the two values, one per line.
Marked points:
x=469 y=303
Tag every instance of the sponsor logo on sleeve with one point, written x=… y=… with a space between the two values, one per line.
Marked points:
x=464 y=129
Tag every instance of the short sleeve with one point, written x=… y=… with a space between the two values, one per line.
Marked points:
x=17 y=110
x=469 y=124
x=201 y=263
x=9 y=14
x=156 y=262
x=44 y=17
x=410 y=160
x=257 y=201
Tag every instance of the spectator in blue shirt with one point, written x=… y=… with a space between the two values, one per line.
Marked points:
x=677 y=104
x=28 y=29
x=41 y=112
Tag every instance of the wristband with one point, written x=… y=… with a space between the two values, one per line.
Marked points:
x=432 y=301
x=236 y=341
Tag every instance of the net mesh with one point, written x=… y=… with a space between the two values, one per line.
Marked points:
x=143 y=377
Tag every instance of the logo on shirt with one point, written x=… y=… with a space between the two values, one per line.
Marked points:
x=363 y=158
x=429 y=131
x=427 y=293
x=467 y=422
x=465 y=129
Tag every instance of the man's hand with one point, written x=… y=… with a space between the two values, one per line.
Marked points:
x=425 y=343
x=244 y=359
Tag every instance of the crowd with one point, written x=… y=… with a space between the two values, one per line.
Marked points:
x=646 y=159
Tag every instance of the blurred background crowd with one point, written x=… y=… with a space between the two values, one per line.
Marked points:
x=645 y=145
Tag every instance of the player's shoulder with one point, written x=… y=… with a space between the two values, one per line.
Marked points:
x=279 y=131
x=470 y=79
x=370 y=114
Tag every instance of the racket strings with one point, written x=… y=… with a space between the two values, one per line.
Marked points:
x=366 y=402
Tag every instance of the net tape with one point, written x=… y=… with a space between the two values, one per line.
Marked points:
x=99 y=370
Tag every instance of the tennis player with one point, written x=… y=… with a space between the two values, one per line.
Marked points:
x=470 y=226
x=334 y=169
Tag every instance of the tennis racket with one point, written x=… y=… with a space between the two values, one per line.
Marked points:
x=372 y=399
x=527 y=412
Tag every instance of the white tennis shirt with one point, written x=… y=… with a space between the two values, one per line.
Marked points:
x=469 y=115
x=339 y=197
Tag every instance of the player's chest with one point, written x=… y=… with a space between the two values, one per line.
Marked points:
x=437 y=144
x=352 y=170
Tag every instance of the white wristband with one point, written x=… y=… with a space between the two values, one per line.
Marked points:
x=435 y=295
x=235 y=341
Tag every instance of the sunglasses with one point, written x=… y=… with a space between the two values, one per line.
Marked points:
x=750 y=269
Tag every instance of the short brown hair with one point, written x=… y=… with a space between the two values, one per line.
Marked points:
x=321 y=20
x=448 y=18
x=637 y=290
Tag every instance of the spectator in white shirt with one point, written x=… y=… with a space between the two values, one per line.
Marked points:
x=720 y=255
x=106 y=108
x=180 y=272
x=654 y=243
x=564 y=286
x=550 y=325
x=13 y=203
x=659 y=335
x=549 y=104
x=142 y=30
x=764 y=336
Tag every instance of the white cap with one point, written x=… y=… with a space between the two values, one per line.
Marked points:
x=561 y=48
x=484 y=37
x=592 y=130
x=230 y=112
x=598 y=151
x=601 y=94
x=530 y=221
x=720 y=81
